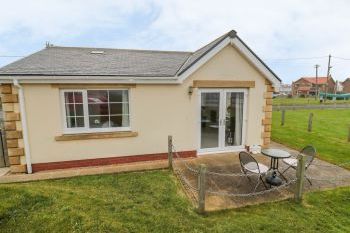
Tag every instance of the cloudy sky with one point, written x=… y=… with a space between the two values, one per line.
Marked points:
x=291 y=35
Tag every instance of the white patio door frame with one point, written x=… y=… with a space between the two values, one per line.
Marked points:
x=222 y=116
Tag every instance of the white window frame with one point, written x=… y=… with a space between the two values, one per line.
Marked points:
x=86 y=128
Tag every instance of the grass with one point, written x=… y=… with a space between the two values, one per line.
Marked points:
x=154 y=202
x=329 y=134
x=305 y=101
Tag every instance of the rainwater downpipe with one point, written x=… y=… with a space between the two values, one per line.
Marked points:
x=24 y=125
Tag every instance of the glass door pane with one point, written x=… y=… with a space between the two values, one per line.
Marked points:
x=210 y=115
x=234 y=118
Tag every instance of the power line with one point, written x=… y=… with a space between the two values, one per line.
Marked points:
x=295 y=58
x=267 y=59
x=342 y=58
x=10 y=56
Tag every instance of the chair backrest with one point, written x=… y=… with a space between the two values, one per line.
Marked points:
x=247 y=161
x=310 y=153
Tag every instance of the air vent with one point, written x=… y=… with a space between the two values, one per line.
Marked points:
x=97 y=52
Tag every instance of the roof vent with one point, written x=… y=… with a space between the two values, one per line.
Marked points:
x=97 y=52
x=48 y=44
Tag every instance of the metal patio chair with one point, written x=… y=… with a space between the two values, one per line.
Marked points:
x=308 y=151
x=249 y=164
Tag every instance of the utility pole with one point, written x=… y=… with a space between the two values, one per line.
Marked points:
x=328 y=74
x=316 y=67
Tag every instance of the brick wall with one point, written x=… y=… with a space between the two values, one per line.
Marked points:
x=346 y=86
x=267 y=121
x=13 y=128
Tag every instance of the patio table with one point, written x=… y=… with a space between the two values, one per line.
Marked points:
x=275 y=155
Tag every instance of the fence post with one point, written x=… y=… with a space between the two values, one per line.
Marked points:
x=201 y=188
x=170 y=152
x=349 y=134
x=300 y=178
x=309 y=127
x=283 y=116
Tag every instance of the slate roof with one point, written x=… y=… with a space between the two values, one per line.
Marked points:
x=204 y=50
x=79 y=61
x=113 y=62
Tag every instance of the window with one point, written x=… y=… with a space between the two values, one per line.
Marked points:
x=96 y=110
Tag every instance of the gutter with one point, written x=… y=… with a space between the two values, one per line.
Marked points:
x=87 y=80
x=24 y=126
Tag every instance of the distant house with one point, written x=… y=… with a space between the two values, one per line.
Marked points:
x=339 y=87
x=285 y=89
x=346 y=85
x=308 y=85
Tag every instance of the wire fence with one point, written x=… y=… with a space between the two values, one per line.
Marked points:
x=182 y=175
x=190 y=176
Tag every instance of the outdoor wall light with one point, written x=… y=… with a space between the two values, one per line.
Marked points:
x=190 y=90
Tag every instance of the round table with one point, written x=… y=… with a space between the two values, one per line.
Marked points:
x=275 y=155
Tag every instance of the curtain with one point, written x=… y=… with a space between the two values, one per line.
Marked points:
x=239 y=119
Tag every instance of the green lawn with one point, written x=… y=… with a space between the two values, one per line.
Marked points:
x=329 y=135
x=154 y=202
x=304 y=101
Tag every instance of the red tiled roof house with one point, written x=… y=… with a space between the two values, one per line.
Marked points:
x=346 y=85
x=307 y=85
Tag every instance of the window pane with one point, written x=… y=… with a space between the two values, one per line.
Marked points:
x=118 y=96
x=97 y=96
x=122 y=108
x=68 y=97
x=71 y=122
x=120 y=121
x=80 y=121
x=70 y=109
x=98 y=109
x=99 y=122
x=74 y=107
x=78 y=97
x=79 y=110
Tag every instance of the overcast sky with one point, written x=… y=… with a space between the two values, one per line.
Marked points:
x=277 y=31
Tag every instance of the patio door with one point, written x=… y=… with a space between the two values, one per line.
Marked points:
x=222 y=119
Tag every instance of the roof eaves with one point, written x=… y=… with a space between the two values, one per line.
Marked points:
x=53 y=74
x=260 y=60
x=230 y=34
x=182 y=65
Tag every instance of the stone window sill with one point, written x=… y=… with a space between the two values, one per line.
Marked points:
x=86 y=136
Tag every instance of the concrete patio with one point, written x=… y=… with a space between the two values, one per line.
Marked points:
x=229 y=163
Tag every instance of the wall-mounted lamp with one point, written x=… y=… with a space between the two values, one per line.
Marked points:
x=190 y=90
